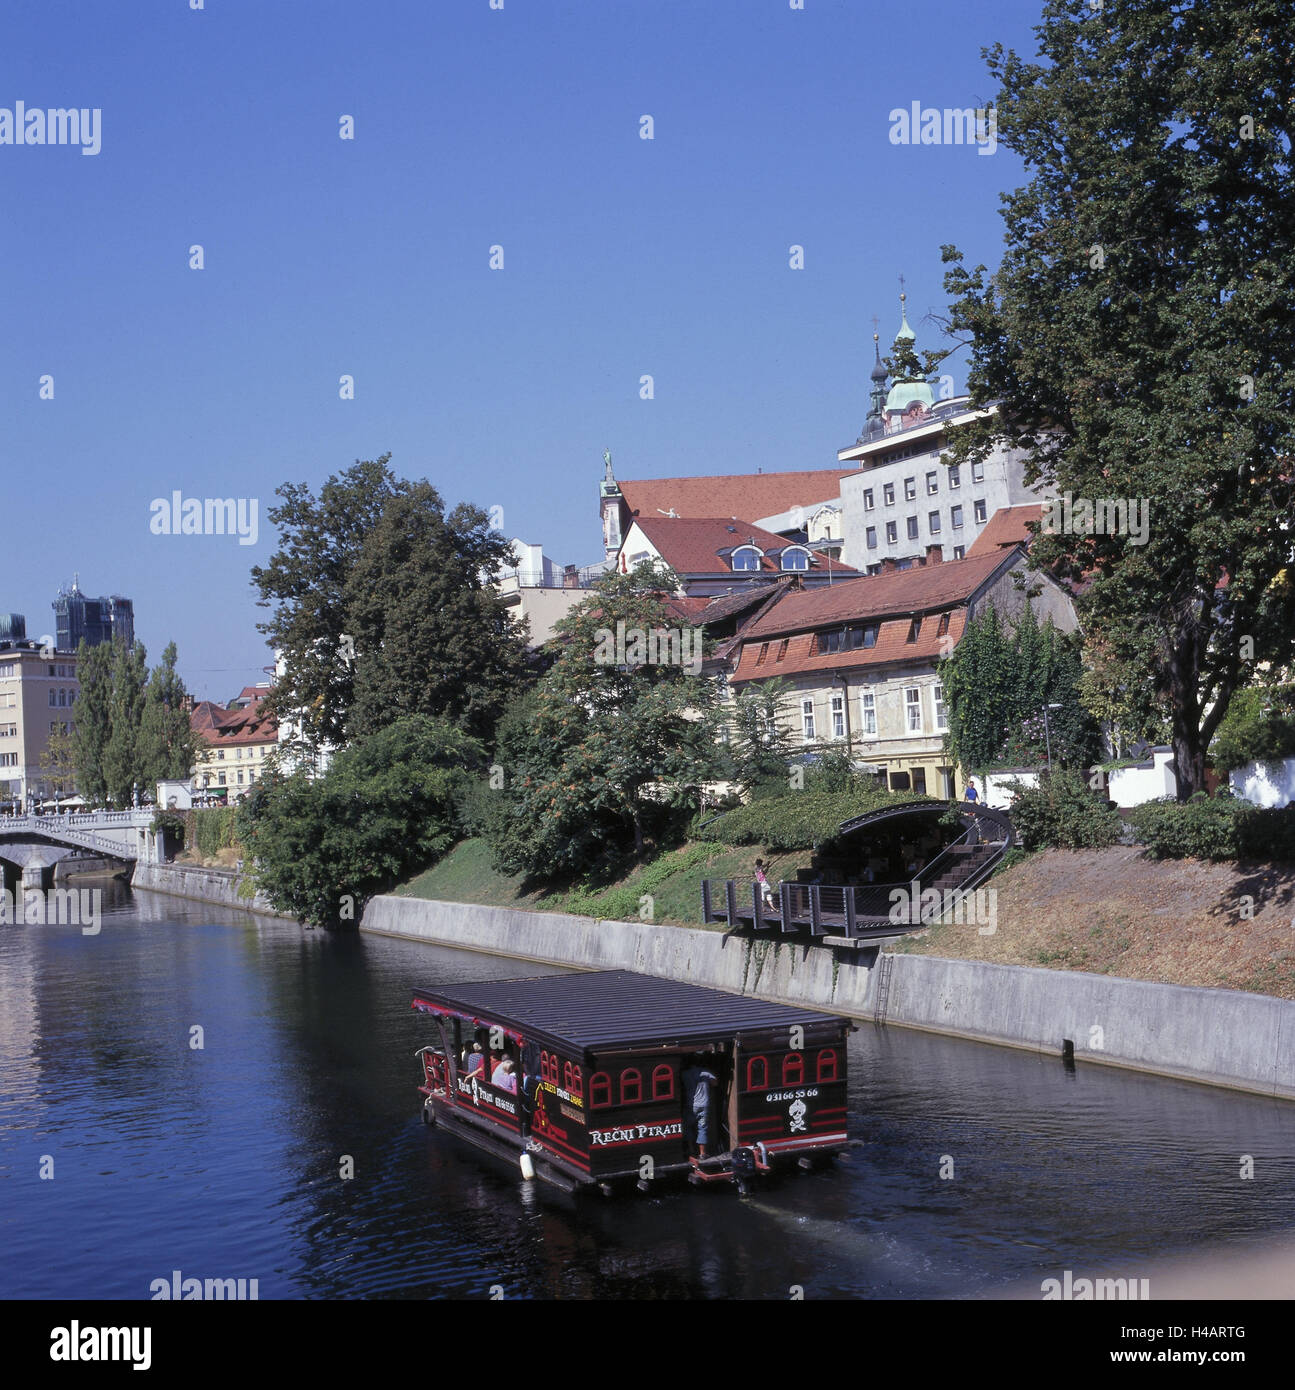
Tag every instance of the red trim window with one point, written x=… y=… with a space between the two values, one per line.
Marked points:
x=757 y=1074
x=663 y=1082
x=827 y=1065
x=600 y=1090
x=549 y=1068
x=793 y=1069
x=631 y=1086
x=573 y=1079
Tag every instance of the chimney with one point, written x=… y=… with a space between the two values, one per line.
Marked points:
x=570 y=577
x=889 y=565
x=934 y=554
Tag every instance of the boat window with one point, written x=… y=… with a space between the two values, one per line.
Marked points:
x=631 y=1085
x=757 y=1074
x=663 y=1082
x=549 y=1068
x=600 y=1090
x=573 y=1080
x=827 y=1065
x=793 y=1069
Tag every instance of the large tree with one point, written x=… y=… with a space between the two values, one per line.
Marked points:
x=1138 y=336
x=92 y=719
x=167 y=746
x=383 y=608
x=123 y=768
x=608 y=737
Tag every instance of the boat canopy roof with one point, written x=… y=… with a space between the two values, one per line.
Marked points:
x=607 y=1010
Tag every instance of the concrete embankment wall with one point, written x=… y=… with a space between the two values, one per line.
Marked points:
x=202 y=885
x=1224 y=1037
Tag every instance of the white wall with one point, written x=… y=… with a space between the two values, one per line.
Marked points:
x=1266 y=784
x=1131 y=786
x=997 y=790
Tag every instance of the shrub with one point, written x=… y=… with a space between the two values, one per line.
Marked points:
x=215 y=829
x=801 y=820
x=1258 y=727
x=1063 y=813
x=1221 y=827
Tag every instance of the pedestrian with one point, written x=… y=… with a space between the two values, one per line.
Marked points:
x=698 y=1080
x=766 y=892
x=971 y=793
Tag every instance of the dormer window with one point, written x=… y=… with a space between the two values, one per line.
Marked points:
x=795 y=559
x=747 y=557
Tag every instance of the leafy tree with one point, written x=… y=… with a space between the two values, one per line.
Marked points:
x=760 y=744
x=997 y=683
x=122 y=768
x=1259 y=727
x=322 y=847
x=604 y=730
x=1138 y=339
x=431 y=634
x=92 y=719
x=58 y=762
x=167 y=746
x=383 y=608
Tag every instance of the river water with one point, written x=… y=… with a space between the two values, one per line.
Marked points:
x=226 y=1160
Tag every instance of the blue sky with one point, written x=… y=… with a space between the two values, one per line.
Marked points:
x=474 y=127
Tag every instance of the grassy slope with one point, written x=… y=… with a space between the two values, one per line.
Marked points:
x=1106 y=911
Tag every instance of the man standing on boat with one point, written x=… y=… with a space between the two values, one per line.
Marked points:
x=697 y=1084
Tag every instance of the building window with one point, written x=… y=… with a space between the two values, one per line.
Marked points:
x=222 y=779
x=912 y=528
x=845 y=639
x=764 y=651
x=892 y=532
x=959 y=551
x=914 y=629
x=872 y=537
x=941 y=714
x=869 y=714
x=933 y=523
x=53 y=696
x=757 y=1074
x=748 y=558
x=631 y=1086
x=955 y=476
x=600 y=1090
x=977 y=472
x=955 y=518
x=913 y=704
x=888 y=494
x=838 y=716
x=868 y=500
x=910 y=489
x=793 y=1069
x=932 y=482
x=980 y=510
x=807 y=719
x=943 y=625
x=795 y=560
x=828 y=1066
x=919 y=780
x=663 y=1082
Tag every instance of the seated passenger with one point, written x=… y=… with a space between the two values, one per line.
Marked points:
x=475 y=1061
x=505 y=1077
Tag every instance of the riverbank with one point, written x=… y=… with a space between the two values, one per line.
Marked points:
x=206 y=885
x=1231 y=1038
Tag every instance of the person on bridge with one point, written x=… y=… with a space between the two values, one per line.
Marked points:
x=971 y=793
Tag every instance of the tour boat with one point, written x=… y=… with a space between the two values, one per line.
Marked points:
x=592 y=1079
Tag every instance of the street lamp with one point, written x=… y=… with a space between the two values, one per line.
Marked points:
x=1047 y=733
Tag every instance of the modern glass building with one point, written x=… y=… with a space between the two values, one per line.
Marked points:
x=94 y=619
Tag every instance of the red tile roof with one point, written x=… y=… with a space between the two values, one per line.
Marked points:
x=1006 y=527
x=734 y=494
x=923 y=589
x=221 y=727
x=798 y=655
x=691 y=545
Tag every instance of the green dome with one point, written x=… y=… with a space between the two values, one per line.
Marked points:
x=904 y=393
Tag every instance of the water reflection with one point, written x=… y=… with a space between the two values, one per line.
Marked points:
x=229 y=1158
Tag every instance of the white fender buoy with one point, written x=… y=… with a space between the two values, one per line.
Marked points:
x=528 y=1168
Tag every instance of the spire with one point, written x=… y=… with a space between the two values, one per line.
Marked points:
x=607 y=459
x=904 y=330
x=910 y=399
x=877 y=397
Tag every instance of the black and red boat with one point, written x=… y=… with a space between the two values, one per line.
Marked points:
x=600 y=1079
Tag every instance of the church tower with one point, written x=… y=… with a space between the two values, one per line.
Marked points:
x=611 y=501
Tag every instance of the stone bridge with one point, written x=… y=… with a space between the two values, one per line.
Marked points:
x=36 y=844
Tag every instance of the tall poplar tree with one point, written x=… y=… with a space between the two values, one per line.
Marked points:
x=167 y=746
x=1138 y=336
